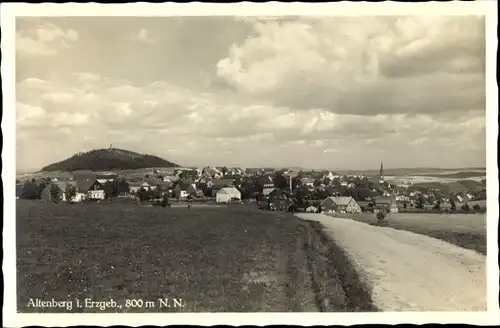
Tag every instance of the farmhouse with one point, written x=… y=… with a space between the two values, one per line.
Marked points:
x=387 y=203
x=185 y=189
x=90 y=189
x=266 y=183
x=225 y=195
x=341 y=204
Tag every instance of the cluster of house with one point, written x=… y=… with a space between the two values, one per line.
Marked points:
x=339 y=193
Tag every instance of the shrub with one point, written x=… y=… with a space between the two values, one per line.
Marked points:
x=380 y=216
x=465 y=207
x=476 y=207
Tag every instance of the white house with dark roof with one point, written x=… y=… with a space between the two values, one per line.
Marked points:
x=224 y=195
x=341 y=204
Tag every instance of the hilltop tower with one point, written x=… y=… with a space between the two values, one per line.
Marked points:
x=381 y=176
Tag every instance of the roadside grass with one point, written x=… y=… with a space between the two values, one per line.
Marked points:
x=464 y=230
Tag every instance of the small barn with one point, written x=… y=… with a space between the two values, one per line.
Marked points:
x=225 y=195
x=90 y=189
x=266 y=184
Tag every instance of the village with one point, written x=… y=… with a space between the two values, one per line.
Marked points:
x=271 y=189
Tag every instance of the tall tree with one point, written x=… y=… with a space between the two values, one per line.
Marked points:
x=70 y=192
x=30 y=191
x=55 y=193
x=453 y=206
x=123 y=186
x=420 y=203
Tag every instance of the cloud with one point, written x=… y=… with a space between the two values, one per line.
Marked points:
x=143 y=36
x=381 y=65
x=311 y=92
x=44 y=39
x=189 y=127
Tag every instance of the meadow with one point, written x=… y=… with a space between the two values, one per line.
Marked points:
x=464 y=230
x=219 y=259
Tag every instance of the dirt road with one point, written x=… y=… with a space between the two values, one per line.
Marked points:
x=410 y=272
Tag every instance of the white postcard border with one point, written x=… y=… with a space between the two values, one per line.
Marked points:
x=10 y=11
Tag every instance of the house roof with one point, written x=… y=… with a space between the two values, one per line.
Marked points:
x=222 y=182
x=229 y=191
x=84 y=186
x=184 y=185
x=265 y=180
x=340 y=201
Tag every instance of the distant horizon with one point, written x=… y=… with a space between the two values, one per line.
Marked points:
x=375 y=168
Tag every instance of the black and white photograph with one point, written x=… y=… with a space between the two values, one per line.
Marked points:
x=245 y=163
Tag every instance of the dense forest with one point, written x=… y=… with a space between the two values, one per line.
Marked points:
x=108 y=159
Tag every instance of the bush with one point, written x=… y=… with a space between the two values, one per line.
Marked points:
x=476 y=207
x=380 y=216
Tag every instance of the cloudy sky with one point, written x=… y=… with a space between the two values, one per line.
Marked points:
x=337 y=93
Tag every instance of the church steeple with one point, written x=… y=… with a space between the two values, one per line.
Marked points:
x=381 y=177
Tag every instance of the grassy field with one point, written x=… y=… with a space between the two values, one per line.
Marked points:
x=464 y=230
x=218 y=259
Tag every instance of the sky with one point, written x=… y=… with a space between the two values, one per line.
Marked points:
x=312 y=92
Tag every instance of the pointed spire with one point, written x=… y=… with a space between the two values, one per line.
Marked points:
x=381 y=177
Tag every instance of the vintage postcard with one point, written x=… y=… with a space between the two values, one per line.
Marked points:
x=250 y=163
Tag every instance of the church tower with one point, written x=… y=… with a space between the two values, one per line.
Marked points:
x=381 y=177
